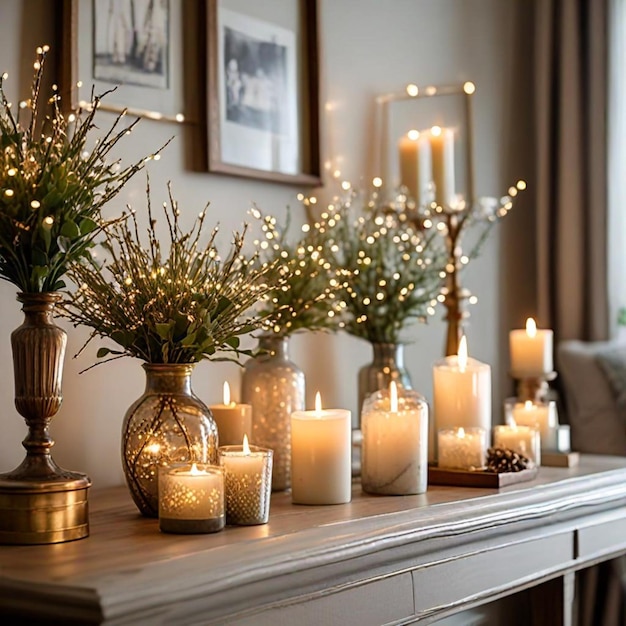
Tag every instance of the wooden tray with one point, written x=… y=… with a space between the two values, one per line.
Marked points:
x=466 y=478
x=560 y=459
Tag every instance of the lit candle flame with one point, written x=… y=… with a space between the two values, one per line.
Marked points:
x=461 y=433
x=462 y=354
x=413 y=135
x=531 y=327
x=246 y=445
x=393 y=397
x=436 y=131
x=528 y=405
x=194 y=469
x=318 y=402
x=226 y=393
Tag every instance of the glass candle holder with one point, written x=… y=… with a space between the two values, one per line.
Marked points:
x=395 y=443
x=540 y=415
x=248 y=483
x=524 y=440
x=462 y=448
x=191 y=499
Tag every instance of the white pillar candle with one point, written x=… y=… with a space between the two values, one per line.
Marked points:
x=191 y=499
x=395 y=443
x=539 y=415
x=442 y=158
x=233 y=420
x=321 y=447
x=462 y=392
x=462 y=449
x=410 y=149
x=248 y=483
x=522 y=439
x=531 y=351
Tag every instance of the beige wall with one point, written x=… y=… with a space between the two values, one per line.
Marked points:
x=368 y=47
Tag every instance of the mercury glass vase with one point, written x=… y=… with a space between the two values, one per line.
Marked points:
x=275 y=388
x=388 y=365
x=168 y=424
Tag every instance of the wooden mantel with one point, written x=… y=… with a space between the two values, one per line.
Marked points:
x=378 y=560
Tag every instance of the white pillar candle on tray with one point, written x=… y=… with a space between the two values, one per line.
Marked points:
x=442 y=158
x=247 y=483
x=462 y=392
x=522 y=439
x=539 y=415
x=321 y=447
x=395 y=442
x=191 y=499
x=461 y=448
x=531 y=351
x=411 y=164
x=233 y=420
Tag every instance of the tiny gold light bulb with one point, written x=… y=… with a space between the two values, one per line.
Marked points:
x=469 y=87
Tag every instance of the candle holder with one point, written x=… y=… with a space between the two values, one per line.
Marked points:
x=521 y=439
x=541 y=415
x=533 y=388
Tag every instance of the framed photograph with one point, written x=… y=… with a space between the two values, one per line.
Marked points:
x=134 y=46
x=263 y=90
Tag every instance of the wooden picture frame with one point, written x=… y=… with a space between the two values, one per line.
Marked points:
x=263 y=90
x=96 y=54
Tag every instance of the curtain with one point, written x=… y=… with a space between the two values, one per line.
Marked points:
x=570 y=110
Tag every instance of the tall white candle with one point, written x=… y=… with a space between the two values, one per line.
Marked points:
x=411 y=164
x=462 y=449
x=233 y=420
x=539 y=415
x=321 y=446
x=522 y=439
x=462 y=392
x=531 y=351
x=442 y=157
x=395 y=443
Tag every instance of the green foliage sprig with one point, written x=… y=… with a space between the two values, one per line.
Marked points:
x=308 y=300
x=395 y=267
x=174 y=306
x=52 y=185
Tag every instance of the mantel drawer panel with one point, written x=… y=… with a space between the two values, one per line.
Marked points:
x=482 y=573
x=601 y=539
x=371 y=604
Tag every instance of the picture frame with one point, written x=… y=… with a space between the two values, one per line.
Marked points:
x=263 y=90
x=135 y=48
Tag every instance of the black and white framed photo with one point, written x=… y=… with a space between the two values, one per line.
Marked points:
x=263 y=89
x=134 y=46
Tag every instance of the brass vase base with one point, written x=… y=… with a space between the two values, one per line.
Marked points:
x=49 y=510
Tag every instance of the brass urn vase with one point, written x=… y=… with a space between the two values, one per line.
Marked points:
x=39 y=501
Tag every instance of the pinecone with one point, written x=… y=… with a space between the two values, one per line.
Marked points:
x=500 y=460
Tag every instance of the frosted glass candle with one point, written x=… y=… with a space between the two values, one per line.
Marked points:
x=539 y=415
x=394 y=457
x=191 y=499
x=247 y=483
x=462 y=393
x=442 y=158
x=522 y=439
x=531 y=351
x=321 y=461
x=233 y=420
x=462 y=449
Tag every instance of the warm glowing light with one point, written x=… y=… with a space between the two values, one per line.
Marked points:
x=377 y=182
x=528 y=405
x=469 y=87
x=413 y=135
x=412 y=90
x=521 y=185
x=436 y=131
x=461 y=432
x=153 y=448
x=531 y=327
x=246 y=446
x=393 y=397
x=318 y=402
x=226 y=392
x=345 y=185
x=194 y=470
x=462 y=354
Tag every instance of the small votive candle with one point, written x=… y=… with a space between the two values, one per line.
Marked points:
x=522 y=439
x=248 y=483
x=540 y=415
x=191 y=499
x=395 y=443
x=234 y=420
x=321 y=460
x=462 y=448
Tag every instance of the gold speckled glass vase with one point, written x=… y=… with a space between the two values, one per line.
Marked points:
x=168 y=424
x=275 y=388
